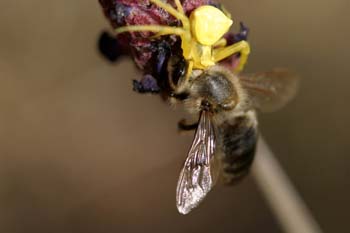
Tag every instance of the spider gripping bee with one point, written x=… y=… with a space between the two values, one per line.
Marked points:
x=225 y=101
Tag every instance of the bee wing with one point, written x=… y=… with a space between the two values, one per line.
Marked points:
x=271 y=90
x=196 y=178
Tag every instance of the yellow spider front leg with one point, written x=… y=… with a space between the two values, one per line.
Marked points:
x=241 y=47
x=179 y=7
x=178 y=14
x=160 y=30
x=220 y=43
x=182 y=84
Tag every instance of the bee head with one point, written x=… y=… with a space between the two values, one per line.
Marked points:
x=213 y=90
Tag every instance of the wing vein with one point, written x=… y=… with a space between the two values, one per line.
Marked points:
x=195 y=179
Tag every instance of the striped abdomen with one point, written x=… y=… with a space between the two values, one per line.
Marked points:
x=237 y=138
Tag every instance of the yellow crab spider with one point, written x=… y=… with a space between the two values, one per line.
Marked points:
x=201 y=35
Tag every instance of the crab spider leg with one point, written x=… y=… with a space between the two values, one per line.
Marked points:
x=185 y=79
x=226 y=12
x=179 y=7
x=189 y=71
x=220 y=43
x=169 y=31
x=177 y=14
x=241 y=47
x=160 y=30
x=185 y=32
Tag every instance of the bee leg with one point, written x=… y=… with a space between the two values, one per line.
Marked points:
x=180 y=96
x=109 y=47
x=148 y=84
x=183 y=126
x=241 y=47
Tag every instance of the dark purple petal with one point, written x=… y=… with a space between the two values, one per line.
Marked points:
x=148 y=84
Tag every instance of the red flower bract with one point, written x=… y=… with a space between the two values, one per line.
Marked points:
x=142 y=12
x=151 y=54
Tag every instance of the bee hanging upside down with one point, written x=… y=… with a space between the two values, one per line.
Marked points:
x=188 y=56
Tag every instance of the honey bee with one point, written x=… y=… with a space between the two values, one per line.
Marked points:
x=224 y=100
x=227 y=131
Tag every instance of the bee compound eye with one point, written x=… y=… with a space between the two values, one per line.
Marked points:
x=177 y=69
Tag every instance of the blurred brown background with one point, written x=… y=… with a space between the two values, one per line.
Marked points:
x=81 y=152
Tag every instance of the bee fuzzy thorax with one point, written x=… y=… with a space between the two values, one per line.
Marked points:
x=218 y=88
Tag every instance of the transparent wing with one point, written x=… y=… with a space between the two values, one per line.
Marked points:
x=271 y=90
x=196 y=178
